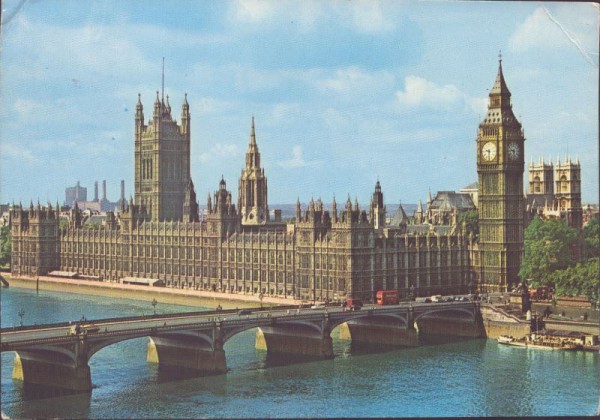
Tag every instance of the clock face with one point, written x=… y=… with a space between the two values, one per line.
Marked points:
x=513 y=151
x=488 y=151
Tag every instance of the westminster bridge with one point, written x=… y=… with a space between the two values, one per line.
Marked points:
x=57 y=355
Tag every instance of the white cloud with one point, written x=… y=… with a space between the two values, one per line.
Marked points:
x=16 y=152
x=26 y=107
x=284 y=111
x=421 y=93
x=253 y=10
x=354 y=80
x=368 y=16
x=297 y=160
x=219 y=150
x=565 y=25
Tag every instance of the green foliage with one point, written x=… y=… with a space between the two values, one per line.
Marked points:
x=579 y=280
x=548 y=247
x=5 y=245
x=471 y=220
x=90 y=225
x=591 y=237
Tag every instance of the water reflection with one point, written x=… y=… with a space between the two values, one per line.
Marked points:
x=453 y=378
x=39 y=401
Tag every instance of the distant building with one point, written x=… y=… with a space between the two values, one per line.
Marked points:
x=100 y=205
x=590 y=212
x=446 y=206
x=555 y=191
x=472 y=190
x=76 y=193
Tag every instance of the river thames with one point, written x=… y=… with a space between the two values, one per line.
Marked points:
x=471 y=378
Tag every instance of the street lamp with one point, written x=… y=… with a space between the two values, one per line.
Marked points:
x=260 y=297
x=411 y=292
x=21 y=314
x=154 y=303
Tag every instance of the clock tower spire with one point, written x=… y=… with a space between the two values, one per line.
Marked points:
x=500 y=167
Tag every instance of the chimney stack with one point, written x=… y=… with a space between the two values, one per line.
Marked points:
x=96 y=191
x=122 y=190
x=104 y=190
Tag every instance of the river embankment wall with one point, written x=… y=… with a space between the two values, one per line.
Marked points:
x=186 y=297
x=496 y=322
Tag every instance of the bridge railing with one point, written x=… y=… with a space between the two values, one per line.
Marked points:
x=145 y=317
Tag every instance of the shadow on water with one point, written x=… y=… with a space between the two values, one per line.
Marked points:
x=425 y=339
x=39 y=401
x=279 y=360
x=164 y=374
x=359 y=349
x=29 y=392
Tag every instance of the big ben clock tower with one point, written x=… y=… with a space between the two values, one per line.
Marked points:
x=500 y=166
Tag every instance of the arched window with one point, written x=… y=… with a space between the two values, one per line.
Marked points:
x=564 y=183
x=536 y=184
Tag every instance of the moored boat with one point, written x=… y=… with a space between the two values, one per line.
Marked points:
x=536 y=341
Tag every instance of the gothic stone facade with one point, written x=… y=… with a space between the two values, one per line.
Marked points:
x=321 y=254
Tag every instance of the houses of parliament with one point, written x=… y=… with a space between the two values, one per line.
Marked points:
x=324 y=253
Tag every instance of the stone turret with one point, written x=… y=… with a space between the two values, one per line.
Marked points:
x=252 y=193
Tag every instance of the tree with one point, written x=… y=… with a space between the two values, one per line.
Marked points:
x=5 y=245
x=548 y=246
x=471 y=220
x=591 y=238
x=580 y=280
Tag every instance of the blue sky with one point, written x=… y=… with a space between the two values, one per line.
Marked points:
x=343 y=92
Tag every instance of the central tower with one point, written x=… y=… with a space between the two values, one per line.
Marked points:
x=162 y=160
x=500 y=166
x=252 y=193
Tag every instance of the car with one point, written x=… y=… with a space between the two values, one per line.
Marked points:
x=244 y=312
x=318 y=306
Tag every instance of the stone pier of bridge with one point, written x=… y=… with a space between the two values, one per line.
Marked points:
x=198 y=354
x=68 y=369
x=300 y=339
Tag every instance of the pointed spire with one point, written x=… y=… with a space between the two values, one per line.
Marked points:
x=252 y=133
x=185 y=101
x=163 y=81
x=157 y=107
x=298 y=210
x=356 y=208
x=500 y=87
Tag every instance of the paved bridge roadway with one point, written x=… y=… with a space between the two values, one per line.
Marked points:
x=50 y=355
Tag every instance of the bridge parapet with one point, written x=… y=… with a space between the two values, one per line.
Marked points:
x=194 y=342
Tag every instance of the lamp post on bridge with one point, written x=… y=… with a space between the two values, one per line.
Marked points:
x=154 y=303
x=21 y=314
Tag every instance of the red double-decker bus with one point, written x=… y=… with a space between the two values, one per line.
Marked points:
x=387 y=297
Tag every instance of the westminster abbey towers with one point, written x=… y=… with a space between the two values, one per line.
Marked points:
x=500 y=165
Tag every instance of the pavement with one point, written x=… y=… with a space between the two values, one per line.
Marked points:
x=129 y=290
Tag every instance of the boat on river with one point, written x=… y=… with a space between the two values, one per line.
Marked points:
x=538 y=341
